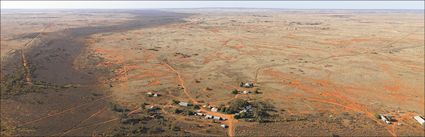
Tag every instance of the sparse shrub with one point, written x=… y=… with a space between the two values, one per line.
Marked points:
x=377 y=116
x=142 y=106
x=222 y=109
x=131 y=121
x=228 y=111
x=188 y=112
x=118 y=108
x=196 y=107
x=176 y=101
x=15 y=84
x=175 y=128
x=178 y=111
x=243 y=115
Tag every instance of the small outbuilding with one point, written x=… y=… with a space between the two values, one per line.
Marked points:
x=243 y=111
x=184 y=104
x=248 y=108
x=247 y=85
x=208 y=116
x=151 y=94
x=246 y=92
x=214 y=109
x=153 y=108
x=386 y=119
x=419 y=119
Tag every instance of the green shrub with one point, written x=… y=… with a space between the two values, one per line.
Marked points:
x=178 y=111
x=188 y=112
x=176 y=101
x=222 y=109
x=235 y=105
x=235 y=91
x=118 y=108
x=15 y=84
x=243 y=115
x=377 y=116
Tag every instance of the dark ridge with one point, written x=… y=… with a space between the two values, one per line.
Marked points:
x=51 y=61
x=52 y=58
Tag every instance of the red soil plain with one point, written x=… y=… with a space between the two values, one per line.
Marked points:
x=324 y=72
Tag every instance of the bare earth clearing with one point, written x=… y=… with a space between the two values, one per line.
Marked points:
x=323 y=72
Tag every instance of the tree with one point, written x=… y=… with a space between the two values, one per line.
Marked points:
x=223 y=109
x=142 y=106
x=243 y=115
x=235 y=105
x=178 y=111
x=260 y=111
x=196 y=107
x=188 y=112
x=228 y=111
x=260 y=115
x=235 y=91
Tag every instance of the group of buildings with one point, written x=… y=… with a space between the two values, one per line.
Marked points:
x=152 y=94
x=388 y=119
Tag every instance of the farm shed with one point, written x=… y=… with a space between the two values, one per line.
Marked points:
x=184 y=104
x=419 y=119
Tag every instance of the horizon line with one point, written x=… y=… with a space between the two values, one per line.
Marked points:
x=206 y=8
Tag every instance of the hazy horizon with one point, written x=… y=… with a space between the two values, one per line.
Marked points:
x=348 y=5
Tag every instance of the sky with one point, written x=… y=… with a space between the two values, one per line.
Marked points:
x=210 y=4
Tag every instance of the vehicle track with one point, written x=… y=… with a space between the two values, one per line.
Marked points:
x=64 y=111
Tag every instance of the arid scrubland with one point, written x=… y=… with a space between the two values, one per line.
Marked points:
x=315 y=72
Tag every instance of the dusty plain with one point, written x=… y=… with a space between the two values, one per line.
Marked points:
x=322 y=72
